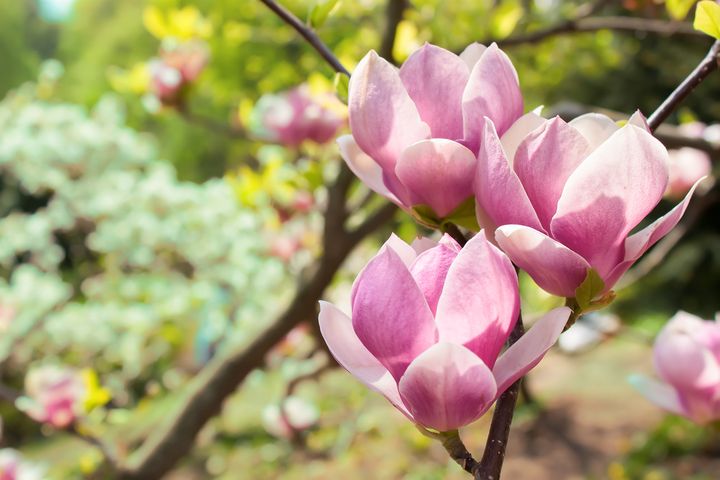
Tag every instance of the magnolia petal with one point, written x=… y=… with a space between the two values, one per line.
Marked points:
x=364 y=167
x=472 y=54
x=661 y=394
x=498 y=192
x=527 y=352
x=435 y=79
x=480 y=302
x=595 y=127
x=337 y=331
x=639 y=120
x=406 y=253
x=430 y=269
x=512 y=138
x=492 y=91
x=447 y=387
x=383 y=118
x=639 y=243
x=437 y=173
x=420 y=244
x=553 y=266
x=609 y=194
x=545 y=160
x=390 y=314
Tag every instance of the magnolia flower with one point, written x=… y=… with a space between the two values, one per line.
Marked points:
x=56 y=395
x=687 y=358
x=14 y=467
x=416 y=131
x=177 y=66
x=428 y=323
x=567 y=195
x=293 y=117
x=299 y=415
x=686 y=165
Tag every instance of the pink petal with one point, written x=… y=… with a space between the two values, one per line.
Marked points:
x=430 y=269
x=639 y=243
x=639 y=120
x=545 y=160
x=447 y=387
x=512 y=138
x=406 y=253
x=435 y=79
x=480 y=302
x=681 y=360
x=421 y=244
x=595 y=127
x=364 y=167
x=498 y=192
x=661 y=394
x=383 y=118
x=553 y=266
x=492 y=91
x=609 y=194
x=472 y=54
x=390 y=314
x=527 y=352
x=437 y=173
x=337 y=331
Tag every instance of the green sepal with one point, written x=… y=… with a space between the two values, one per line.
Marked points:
x=341 y=82
x=463 y=216
x=590 y=288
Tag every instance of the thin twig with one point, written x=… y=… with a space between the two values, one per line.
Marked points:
x=706 y=66
x=453 y=230
x=459 y=453
x=492 y=460
x=393 y=16
x=308 y=34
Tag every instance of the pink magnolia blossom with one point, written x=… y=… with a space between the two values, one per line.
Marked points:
x=293 y=117
x=56 y=395
x=428 y=323
x=687 y=359
x=566 y=196
x=416 y=130
x=176 y=68
x=686 y=165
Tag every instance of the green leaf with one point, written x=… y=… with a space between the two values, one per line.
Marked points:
x=320 y=11
x=342 y=84
x=590 y=288
x=464 y=215
x=678 y=9
x=707 y=18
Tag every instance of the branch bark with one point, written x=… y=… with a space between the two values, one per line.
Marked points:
x=308 y=34
x=224 y=375
x=393 y=15
x=706 y=66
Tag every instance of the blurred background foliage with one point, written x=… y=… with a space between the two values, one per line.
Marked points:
x=139 y=237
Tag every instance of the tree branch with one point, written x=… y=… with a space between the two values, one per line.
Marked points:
x=492 y=460
x=224 y=374
x=393 y=14
x=308 y=34
x=706 y=66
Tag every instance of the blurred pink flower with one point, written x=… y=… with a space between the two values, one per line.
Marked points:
x=14 y=467
x=687 y=359
x=428 y=323
x=176 y=68
x=297 y=115
x=566 y=196
x=7 y=313
x=298 y=415
x=56 y=394
x=686 y=166
x=416 y=130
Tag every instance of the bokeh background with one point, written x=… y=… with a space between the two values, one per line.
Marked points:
x=151 y=220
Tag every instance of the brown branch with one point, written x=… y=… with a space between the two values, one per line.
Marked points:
x=224 y=374
x=706 y=66
x=393 y=14
x=453 y=230
x=594 y=24
x=308 y=34
x=459 y=452
x=492 y=460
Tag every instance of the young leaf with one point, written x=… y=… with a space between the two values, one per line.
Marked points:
x=320 y=11
x=591 y=287
x=341 y=83
x=678 y=9
x=707 y=18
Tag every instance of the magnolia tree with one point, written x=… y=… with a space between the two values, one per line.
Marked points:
x=110 y=262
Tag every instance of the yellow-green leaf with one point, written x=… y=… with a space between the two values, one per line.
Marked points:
x=678 y=9
x=320 y=11
x=590 y=288
x=505 y=18
x=707 y=18
x=342 y=85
